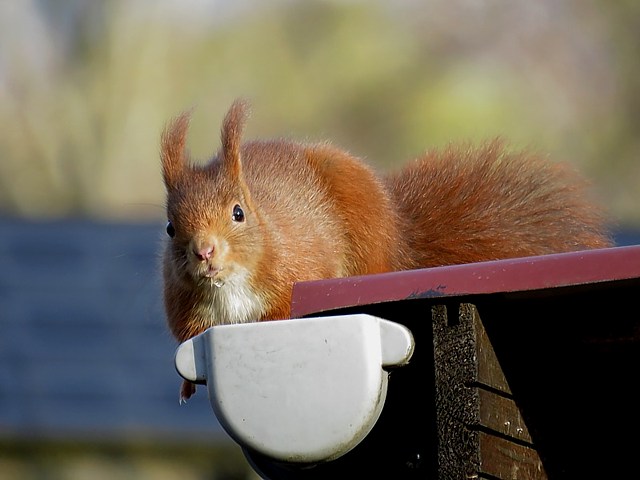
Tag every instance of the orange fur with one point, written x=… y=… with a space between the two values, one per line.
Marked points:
x=467 y=205
x=313 y=211
x=307 y=215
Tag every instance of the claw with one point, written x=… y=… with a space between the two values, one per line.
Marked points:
x=186 y=391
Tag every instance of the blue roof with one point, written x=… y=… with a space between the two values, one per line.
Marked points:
x=84 y=350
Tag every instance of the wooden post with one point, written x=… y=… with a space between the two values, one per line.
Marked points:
x=481 y=433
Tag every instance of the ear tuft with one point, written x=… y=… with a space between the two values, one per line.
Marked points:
x=173 y=153
x=231 y=136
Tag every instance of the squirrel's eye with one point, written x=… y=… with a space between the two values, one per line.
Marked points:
x=238 y=214
x=170 y=230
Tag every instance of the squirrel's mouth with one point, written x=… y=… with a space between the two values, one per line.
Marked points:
x=212 y=271
x=209 y=275
x=214 y=277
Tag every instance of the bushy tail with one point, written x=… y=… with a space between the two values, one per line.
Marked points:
x=466 y=205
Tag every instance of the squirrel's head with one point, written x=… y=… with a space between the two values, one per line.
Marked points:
x=213 y=224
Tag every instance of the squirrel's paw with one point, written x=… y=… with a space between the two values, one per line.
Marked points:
x=186 y=391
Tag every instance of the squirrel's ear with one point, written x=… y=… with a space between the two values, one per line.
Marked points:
x=173 y=153
x=231 y=136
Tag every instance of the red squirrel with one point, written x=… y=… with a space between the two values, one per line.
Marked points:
x=262 y=215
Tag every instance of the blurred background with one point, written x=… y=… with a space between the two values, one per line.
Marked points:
x=87 y=381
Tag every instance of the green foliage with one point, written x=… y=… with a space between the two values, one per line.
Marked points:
x=87 y=87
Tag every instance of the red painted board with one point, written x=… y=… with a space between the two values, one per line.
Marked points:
x=511 y=275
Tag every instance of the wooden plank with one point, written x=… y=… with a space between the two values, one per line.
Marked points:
x=497 y=409
x=489 y=371
x=500 y=458
x=584 y=268
x=479 y=426
x=501 y=414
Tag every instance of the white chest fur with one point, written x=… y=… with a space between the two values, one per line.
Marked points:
x=233 y=302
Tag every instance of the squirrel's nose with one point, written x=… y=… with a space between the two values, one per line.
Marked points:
x=203 y=253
